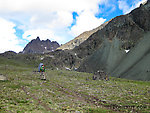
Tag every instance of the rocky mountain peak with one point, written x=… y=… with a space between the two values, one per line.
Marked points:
x=40 y=46
x=38 y=38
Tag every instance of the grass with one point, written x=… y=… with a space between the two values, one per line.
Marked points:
x=69 y=92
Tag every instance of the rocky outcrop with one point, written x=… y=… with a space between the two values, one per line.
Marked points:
x=106 y=49
x=38 y=46
x=60 y=59
x=81 y=38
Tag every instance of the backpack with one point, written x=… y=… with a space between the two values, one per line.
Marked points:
x=42 y=69
x=40 y=65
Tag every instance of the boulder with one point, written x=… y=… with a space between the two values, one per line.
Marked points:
x=2 y=78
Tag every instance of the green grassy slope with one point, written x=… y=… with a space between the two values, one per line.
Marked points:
x=68 y=91
x=20 y=60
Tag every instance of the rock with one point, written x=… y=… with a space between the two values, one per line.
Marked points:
x=61 y=60
x=99 y=75
x=40 y=46
x=2 y=78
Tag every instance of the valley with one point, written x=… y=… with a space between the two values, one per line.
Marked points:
x=119 y=48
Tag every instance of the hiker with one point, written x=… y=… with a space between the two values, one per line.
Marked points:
x=106 y=78
x=42 y=71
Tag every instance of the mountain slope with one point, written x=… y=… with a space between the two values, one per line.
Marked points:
x=81 y=38
x=105 y=49
x=136 y=64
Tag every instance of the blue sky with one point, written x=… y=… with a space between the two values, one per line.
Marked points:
x=57 y=20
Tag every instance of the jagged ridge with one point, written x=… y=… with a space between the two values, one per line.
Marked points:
x=38 y=46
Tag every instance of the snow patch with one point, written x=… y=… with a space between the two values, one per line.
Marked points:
x=51 y=56
x=42 y=58
x=67 y=68
x=127 y=51
x=75 y=68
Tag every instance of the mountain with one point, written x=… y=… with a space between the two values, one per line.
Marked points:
x=106 y=49
x=121 y=48
x=81 y=38
x=38 y=46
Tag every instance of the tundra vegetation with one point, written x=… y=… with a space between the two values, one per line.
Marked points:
x=68 y=91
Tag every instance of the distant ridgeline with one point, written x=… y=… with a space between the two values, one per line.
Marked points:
x=40 y=46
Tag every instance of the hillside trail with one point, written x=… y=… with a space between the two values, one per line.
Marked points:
x=92 y=100
x=69 y=92
x=89 y=99
x=84 y=98
x=34 y=96
x=39 y=102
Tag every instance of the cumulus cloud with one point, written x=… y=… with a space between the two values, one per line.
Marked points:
x=52 y=19
x=86 y=21
x=48 y=5
x=51 y=15
x=42 y=33
x=8 y=39
x=123 y=6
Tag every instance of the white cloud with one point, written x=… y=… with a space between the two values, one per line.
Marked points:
x=42 y=33
x=48 y=5
x=62 y=20
x=86 y=21
x=124 y=6
x=138 y=3
x=8 y=39
x=51 y=18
